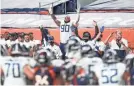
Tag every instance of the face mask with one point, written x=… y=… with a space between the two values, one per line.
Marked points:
x=98 y=39
x=51 y=42
x=86 y=40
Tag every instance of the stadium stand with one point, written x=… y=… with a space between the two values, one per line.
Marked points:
x=109 y=4
x=20 y=6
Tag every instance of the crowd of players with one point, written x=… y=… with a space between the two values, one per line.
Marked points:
x=77 y=61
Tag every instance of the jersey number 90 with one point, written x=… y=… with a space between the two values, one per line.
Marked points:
x=14 y=68
x=65 y=28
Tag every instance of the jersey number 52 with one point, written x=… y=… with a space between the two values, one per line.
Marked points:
x=109 y=78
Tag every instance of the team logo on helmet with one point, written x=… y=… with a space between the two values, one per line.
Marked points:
x=87 y=51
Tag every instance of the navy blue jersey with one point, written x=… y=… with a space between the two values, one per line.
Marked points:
x=47 y=75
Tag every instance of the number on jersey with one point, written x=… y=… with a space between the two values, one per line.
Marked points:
x=42 y=81
x=65 y=28
x=109 y=78
x=14 y=68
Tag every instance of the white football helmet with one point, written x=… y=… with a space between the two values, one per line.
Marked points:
x=72 y=45
x=87 y=51
x=110 y=56
x=73 y=48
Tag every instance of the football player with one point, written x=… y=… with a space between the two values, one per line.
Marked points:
x=87 y=62
x=54 y=47
x=112 y=72
x=45 y=73
x=65 y=28
x=15 y=67
x=73 y=49
x=129 y=60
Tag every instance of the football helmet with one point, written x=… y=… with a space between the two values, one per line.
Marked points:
x=86 y=51
x=75 y=37
x=110 y=56
x=72 y=45
x=44 y=56
x=73 y=49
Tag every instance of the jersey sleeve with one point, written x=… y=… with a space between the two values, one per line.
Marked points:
x=1 y=61
x=60 y=62
x=102 y=47
x=121 y=67
x=32 y=62
x=24 y=62
x=59 y=53
x=126 y=43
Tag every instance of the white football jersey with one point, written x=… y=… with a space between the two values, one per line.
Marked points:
x=110 y=74
x=9 y=43
x=65 y=31
x=2 y=41
x=28 y=44
x=74 y=54
x=13 y=70
x=56 y=49
x=90 y=42
x=31 y=61
x=87 y=63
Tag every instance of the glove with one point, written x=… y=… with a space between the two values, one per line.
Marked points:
x=102 y=29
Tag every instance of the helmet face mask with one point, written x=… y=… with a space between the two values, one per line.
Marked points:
x=44 y=56
x=86 y=36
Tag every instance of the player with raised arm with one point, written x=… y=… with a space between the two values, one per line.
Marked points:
x=112 y=72
x=15 y=67
x=65 y=28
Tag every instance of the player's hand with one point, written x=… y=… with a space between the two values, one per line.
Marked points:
x=121 y=42
x=78 y=8
x=112 y=34
x=94 y=23
x=41 y=27
x=50 y=10
x=102 y=29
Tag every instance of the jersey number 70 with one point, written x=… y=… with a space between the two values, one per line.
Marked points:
x=13 y=68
